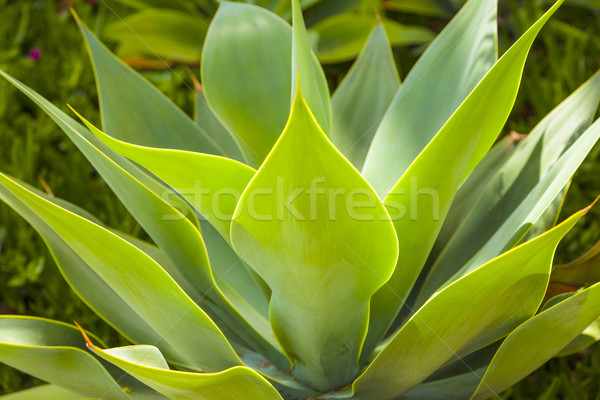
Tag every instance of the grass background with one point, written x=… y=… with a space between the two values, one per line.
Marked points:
x=33 y=149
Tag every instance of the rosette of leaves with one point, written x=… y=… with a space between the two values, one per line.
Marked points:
x=379 y=243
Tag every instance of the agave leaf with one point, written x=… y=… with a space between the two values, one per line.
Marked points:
x=234 y=277
x=550 y=215
x=173 y=234
x=86 y=283
x=460 y=56
x=533 y=206
x=322 y=256
x=506 y=190
x=72 y=127
x=341 y=37
x=213 y=190
x=585 y=339
x=211 y=184
x=470 y=191
x=182 y=5
x=134 y=110
x=147 y=364
x=430 y=8
x=469 y=314
x=307 y=72
x=208 y=121
x=458 y=387
x=246 y=75
x=46 y=392
x=139 y=281
x=55 y=352
x=428 y=187
x=583 y=271
x=160 y=33
x=363 y=96
x=539 y=339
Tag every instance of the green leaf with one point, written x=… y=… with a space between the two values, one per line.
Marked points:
x=160 y=33
x=583 y=271
x=322 y=249
x=46 y=392
x=55 y=352
x=470 y=314
x=212 y=185
x=585 y=339
x=537 y=340
x=458 y=387
x=246 y=75
x=139 y=281
x=209 y=123
x=363 y=96
x=459 y=57
x=429 y=8
x=341 y=36
x=135 y=111
x=147 y=364
x=427 y=188
x=306 y=69
x=173 y=234
x=86 y=283
x=534 y=205
x=507 y=188
x=75 y=130
x=182 y=5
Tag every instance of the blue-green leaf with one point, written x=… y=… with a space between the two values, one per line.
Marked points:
x=435 y=87
x=469 y=314
x=363 y=96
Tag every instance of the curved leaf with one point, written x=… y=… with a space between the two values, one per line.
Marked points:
x=507 y=188
x=46 y=392
x=459 y=57
x=538 y=339
x=246 y=75
x=86 y=283
x=148 y=365
x=322 y=253
x=429 y=185
x=363 y=96
x=212 y=186
x=585 y=339
x=140 y=282
x=533 y=206
x=55 y=352
x=469 y=314
x=135 y=111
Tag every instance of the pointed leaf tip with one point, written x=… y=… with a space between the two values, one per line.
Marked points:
x=88 y=342
x=588 y=208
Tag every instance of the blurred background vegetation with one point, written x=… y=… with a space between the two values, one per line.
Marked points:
x=41 y=45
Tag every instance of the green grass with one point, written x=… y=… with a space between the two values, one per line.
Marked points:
x=32 y=148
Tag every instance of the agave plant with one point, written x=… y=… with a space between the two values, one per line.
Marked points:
x=375 y=244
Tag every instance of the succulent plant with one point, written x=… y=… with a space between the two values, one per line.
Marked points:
x=376 y=244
